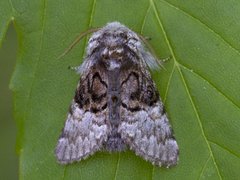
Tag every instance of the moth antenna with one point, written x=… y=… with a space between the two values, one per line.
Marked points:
x=76 y=41
x=145 y=41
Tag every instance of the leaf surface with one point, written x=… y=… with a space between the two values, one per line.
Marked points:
x=200 y=86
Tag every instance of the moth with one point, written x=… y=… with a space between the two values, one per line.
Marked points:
x=116 y=104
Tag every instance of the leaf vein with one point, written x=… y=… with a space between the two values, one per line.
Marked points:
x=36 y=65
x=199 y=120
x=206 y=26
x=205 y=164
x=85 y=43
x=211 y=84
x=226 y=149
x=12 y=7
x=117 y=166
x=169 y=81
x=89 y=25
x=144 y=19
x=185 y=85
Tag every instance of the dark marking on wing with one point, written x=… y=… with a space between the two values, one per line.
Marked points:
x=137 y=90
x=92 y=92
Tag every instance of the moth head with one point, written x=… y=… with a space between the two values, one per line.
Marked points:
x=114 y=42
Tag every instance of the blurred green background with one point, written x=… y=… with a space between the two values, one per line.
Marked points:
x=8 y=156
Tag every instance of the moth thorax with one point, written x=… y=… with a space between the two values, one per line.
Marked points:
x=112 y=57
x=115 y=52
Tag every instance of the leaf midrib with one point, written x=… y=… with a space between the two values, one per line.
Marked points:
x=201 y=76
x=228 y=44
x=205 y=25
x=176 y=64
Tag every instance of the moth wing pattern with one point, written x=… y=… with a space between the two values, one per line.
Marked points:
x=116 y=103
x=145 y=126
x=85 y=129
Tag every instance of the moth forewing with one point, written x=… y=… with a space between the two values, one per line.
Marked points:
x=116 y=104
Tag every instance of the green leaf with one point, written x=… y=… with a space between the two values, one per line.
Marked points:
x=200 y=86
x=6 y=14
